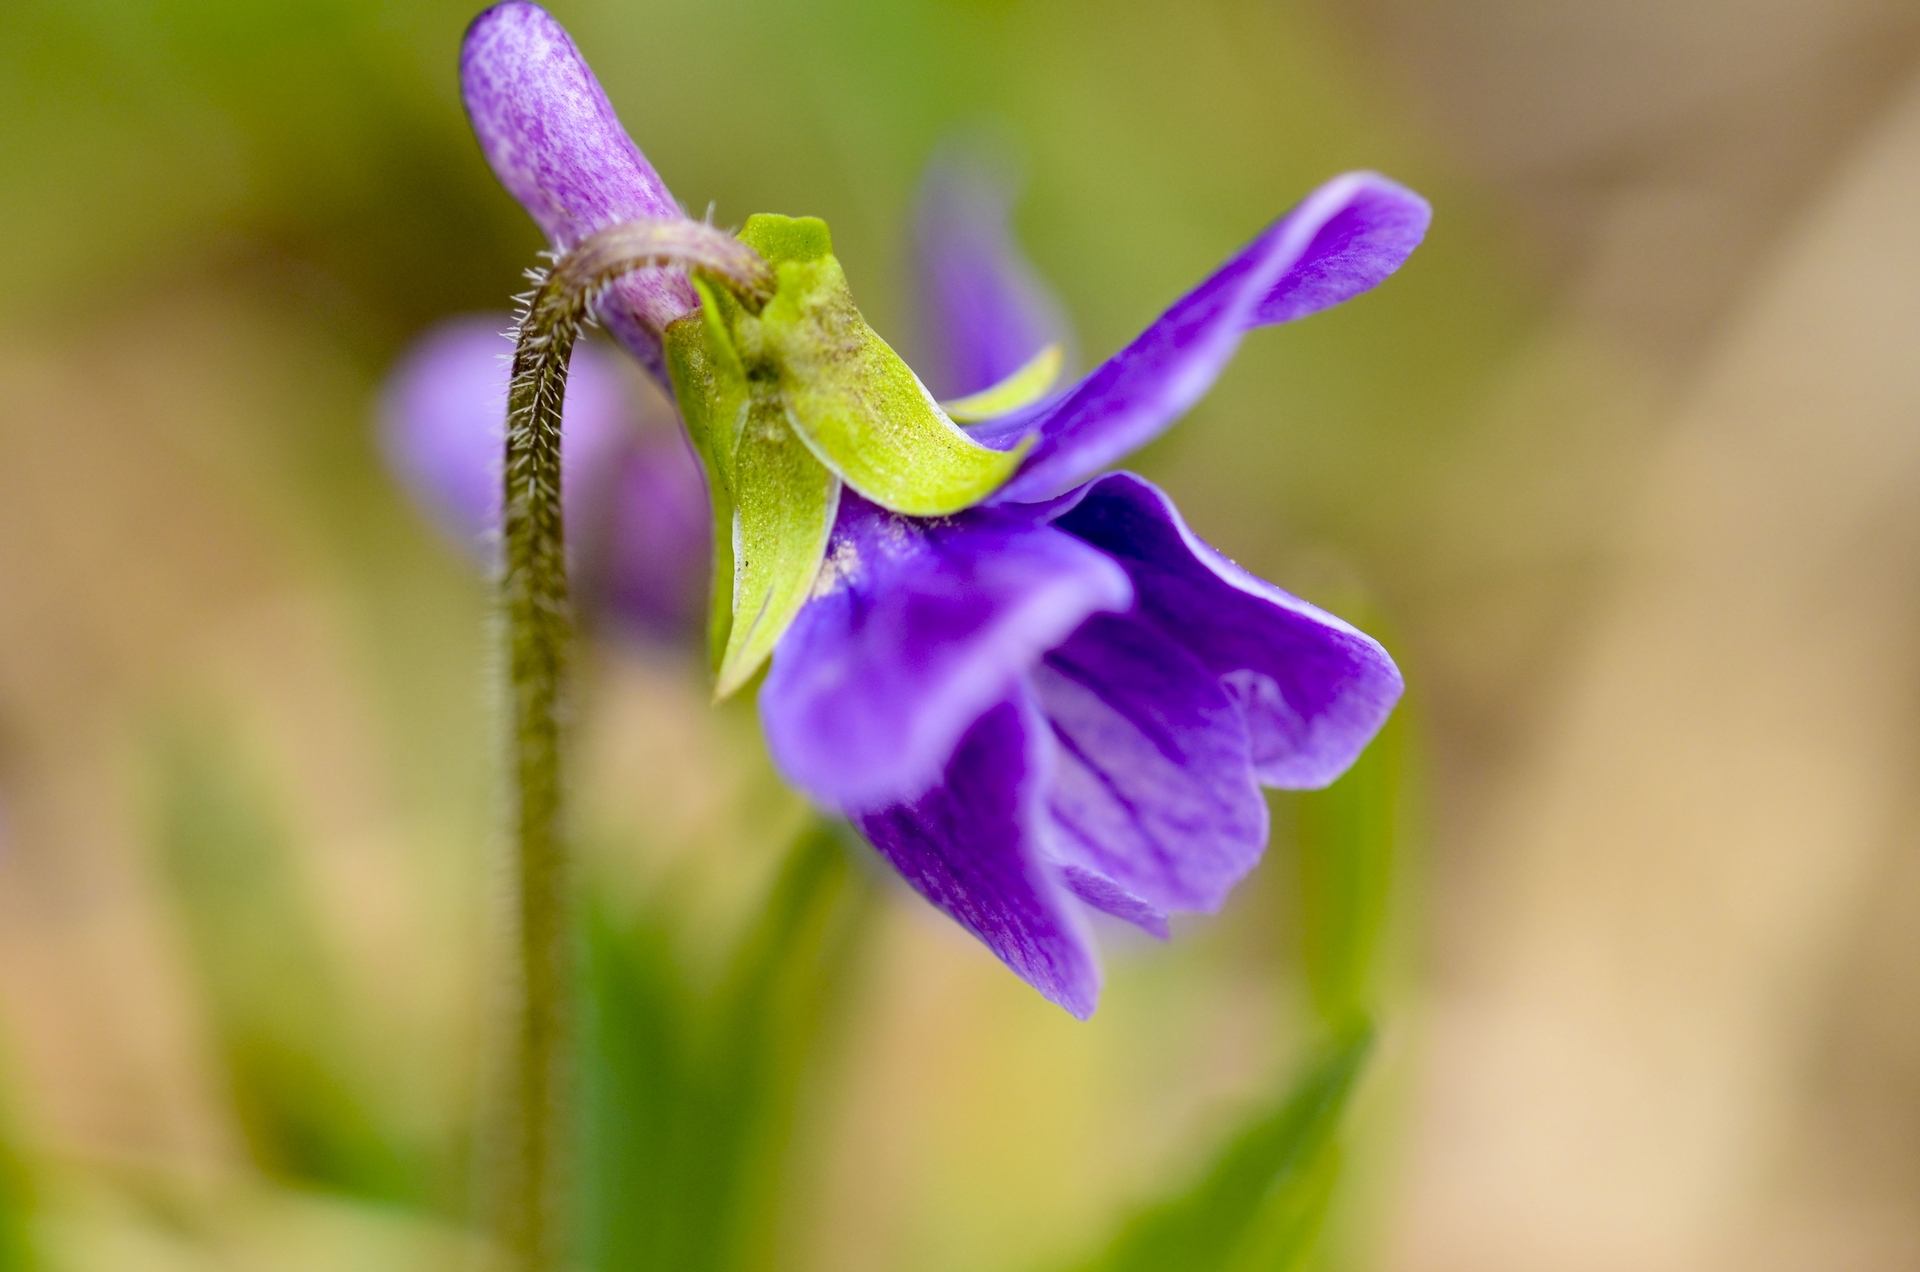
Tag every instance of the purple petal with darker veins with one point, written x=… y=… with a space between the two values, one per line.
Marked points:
x=550 y=135
x=1344 y=238
x=916 y=628
x=1153 y=787
x=1314 y=689
x=984 y=310
x=971 y=846
x=443 y=425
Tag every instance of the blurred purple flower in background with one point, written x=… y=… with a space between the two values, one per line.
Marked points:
x=1060 y=700
x=984 y=310
x=637 y=520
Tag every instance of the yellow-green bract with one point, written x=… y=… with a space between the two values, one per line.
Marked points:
x=783 y=406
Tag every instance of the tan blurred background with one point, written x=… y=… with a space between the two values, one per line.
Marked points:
x=1627 y=463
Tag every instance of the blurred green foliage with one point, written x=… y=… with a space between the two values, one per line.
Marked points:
x=691 y=1092
x=1260 y=1204
x=295 y=1057
x=15 y=1202
x=1347 y=841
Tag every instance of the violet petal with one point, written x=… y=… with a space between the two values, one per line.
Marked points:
x=915 y=629
x=1341 y=240
x=972 y=846
x=550 y=135
x=1314 y=689
x=652 y=572
x=1153 y=786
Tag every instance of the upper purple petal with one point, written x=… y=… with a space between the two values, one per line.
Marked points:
x=1344 y=238
x=551 y=136
x=984 y=310
x=972 y=846
x=1314 y=689
x=1153 y=788
x=916 y=628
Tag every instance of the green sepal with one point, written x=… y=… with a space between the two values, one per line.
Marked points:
x=711 y=389
x=785 y=403
x=773 y=502
x=784 y=501
x=781 y=239
x=858 y=407
x=1023 y=388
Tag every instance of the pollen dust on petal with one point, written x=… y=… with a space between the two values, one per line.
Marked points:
x=840 y=567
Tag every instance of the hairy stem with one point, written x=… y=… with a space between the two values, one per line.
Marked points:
x=536 y=1136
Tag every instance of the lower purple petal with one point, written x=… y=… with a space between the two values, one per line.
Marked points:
x=1314 y=689
x=1153 y=787
x=916 y=628
x=971 y=846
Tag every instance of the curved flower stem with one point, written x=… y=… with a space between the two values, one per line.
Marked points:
x=537 y=1130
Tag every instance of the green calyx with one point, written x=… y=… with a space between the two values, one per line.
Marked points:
x=785 y=404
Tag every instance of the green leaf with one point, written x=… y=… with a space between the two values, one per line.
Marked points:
x=858 y=407
x=785 y=994
x=1023 y=388
x=639 y=1080
x=16 y=1204
x=1262 y=1201
x=691 y=1092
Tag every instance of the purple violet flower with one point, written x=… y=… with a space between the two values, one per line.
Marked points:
x=636 y=510
x=1060 y=701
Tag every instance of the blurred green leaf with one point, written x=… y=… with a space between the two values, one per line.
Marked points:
x=16 y=1202
x=638 y=1080
x=689 y=1099
x=304 y=1100
x=1348 y=840
x=1261 y=1202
